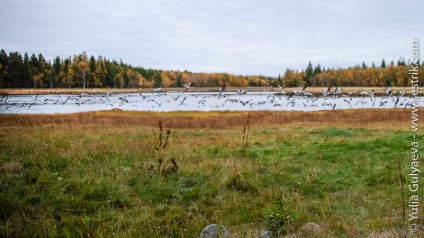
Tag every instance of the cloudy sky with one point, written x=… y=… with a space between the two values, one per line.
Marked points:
x=235 y=36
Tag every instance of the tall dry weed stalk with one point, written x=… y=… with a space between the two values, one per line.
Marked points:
x=402 y=192
x=161 y=149
x=246 y=129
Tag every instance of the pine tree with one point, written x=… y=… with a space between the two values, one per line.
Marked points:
x=56 y=71
x=383 y=64
x=401 y=62
x=309 y=73
x=179 y=81
x=111 y=74
x=317 y=69
x=158 y=80
x=4 y=59
x=13 y=78
x=26 y=73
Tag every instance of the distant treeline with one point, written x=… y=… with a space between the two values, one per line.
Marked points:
x=83 y=71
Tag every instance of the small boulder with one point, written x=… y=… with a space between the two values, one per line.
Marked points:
x=384 y=234
x=266 y=234
x=310 y=228
x=214 y=231
x=393 y=233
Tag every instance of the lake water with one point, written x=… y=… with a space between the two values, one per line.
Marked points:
x=191 y=101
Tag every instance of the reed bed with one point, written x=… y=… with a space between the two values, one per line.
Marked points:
x=368 y=118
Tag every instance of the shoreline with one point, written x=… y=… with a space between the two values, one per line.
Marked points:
x=27 y=91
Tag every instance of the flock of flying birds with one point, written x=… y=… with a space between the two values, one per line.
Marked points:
x=398 y=98
x=157 y=99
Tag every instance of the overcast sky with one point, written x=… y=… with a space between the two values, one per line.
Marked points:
x=235 y=36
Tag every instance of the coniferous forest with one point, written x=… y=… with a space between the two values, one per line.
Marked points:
x=83 y=71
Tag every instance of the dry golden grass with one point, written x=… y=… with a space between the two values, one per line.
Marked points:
x=365 y=118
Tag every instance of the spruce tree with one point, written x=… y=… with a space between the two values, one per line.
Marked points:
x=309 y=73
x=383 y=64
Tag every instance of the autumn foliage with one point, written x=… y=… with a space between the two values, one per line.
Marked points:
x=82 y=71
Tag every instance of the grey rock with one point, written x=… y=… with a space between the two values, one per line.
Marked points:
x=393 y=233
x=266 y=234
x=214 y=231
x=311 y=228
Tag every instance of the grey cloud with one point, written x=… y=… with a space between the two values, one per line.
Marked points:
x=242 y=37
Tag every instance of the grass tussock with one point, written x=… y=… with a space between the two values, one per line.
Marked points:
x=106 y=174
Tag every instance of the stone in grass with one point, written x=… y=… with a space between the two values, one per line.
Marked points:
x=385 y=234
x=266 y=234
x=311 y=228
x=214 y=231
x=393 y=234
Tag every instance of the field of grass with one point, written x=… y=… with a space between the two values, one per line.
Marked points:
x=118 y=174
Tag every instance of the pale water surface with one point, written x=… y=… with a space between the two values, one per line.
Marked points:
x=191 y=101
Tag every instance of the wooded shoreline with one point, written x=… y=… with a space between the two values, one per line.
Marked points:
x=34 y=91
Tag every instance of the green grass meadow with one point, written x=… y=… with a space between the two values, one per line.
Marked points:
x=94 y=180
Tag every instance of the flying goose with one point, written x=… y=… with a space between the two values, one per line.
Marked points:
x=388 y=91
